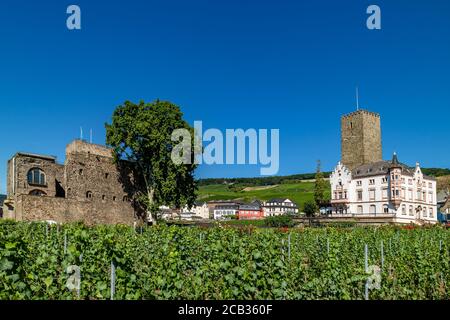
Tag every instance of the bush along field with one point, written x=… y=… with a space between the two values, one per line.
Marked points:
x=39 y=261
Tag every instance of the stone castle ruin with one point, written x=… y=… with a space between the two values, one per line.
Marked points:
x=88 y=187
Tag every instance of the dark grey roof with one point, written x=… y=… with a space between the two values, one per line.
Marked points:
x=382 y=167
x=278 y=200
x=249 y=207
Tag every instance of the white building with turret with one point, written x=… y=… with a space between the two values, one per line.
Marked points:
x=385 y=189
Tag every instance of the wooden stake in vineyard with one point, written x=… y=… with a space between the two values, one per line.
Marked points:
x=113 y=280
x=366 y=266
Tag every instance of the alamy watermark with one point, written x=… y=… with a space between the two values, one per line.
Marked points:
x=236 y=146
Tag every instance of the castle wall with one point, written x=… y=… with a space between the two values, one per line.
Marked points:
x=89 y=187
x=35 y=208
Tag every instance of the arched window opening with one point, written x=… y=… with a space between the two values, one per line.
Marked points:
x=114 y=198
x=36 y=177
x=125 y=199
x=89 y=195
x=38 y=193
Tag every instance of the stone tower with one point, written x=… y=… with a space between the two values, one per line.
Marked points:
x=360 y=138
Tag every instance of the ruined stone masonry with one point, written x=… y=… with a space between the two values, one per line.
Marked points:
x=86 y=188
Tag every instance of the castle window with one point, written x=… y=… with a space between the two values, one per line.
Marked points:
x=80 y=172
x=385 y=208
x=125 y=199
x=36 y=176
x=106 y=175
x=103 y=197
x=38 y=193
x=114 y=198
x=89 y=195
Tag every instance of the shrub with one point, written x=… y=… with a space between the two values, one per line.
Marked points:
x=279 y=222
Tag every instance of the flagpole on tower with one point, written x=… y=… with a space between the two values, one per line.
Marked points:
x=357 y=99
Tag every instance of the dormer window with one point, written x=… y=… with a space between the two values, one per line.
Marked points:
x=36 y=177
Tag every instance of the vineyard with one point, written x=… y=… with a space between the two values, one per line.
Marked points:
x=39 y=261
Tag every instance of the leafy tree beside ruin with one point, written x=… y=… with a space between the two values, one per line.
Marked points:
x=320 y=187
x=141 y=136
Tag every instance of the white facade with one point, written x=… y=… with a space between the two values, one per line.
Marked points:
x=200 y=210
x=384 y=189
x=221 y=212
x=278 y=207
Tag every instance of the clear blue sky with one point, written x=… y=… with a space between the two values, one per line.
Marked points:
x=291 y=65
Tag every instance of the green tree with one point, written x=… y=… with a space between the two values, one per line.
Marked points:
x=320 y=187
x=141 y=137
x=310 y=208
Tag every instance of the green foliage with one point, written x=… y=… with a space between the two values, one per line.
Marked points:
x=435 y=172
x=222 y=263
x=282 y=221
x=298 y=192
x=141 y=134
x=320 y=187
x=310 y=208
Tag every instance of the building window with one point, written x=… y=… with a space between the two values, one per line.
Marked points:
x=384 y=180
x=372 y=181
x=372 y=194
x=373 y=209
x=36 y=176
x=410 y=194
x=430 y=185
x=404 y=210
x=430 y=197
x=359 y=183
x=89 y=195
x=360 y=209
x=431 y=212
x=385 y=208
x=385 y=193
x=411 y=213
x=359 y=195
x=38 y=193
x=424 y=212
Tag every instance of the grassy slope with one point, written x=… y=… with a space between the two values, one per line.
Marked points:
x=297 y=192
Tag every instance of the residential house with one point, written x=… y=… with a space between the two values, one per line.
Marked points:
x=279 y=206
x=252 y=211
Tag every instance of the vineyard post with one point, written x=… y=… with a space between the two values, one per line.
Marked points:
x=366 y=265
x=440 y=245
x=289 y=247
x=282 y=249
x=328 y=246
x=79 y=287
x=382 y=255
x=113 y=280
x=65 y=242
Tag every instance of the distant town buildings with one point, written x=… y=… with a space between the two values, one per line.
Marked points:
x=363 y=184
x=200 y=210
x=279 y=206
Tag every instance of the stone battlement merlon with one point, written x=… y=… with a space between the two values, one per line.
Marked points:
x=374 y=114
x=81 y=146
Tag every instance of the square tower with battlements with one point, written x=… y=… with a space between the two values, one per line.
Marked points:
x=360 y=138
